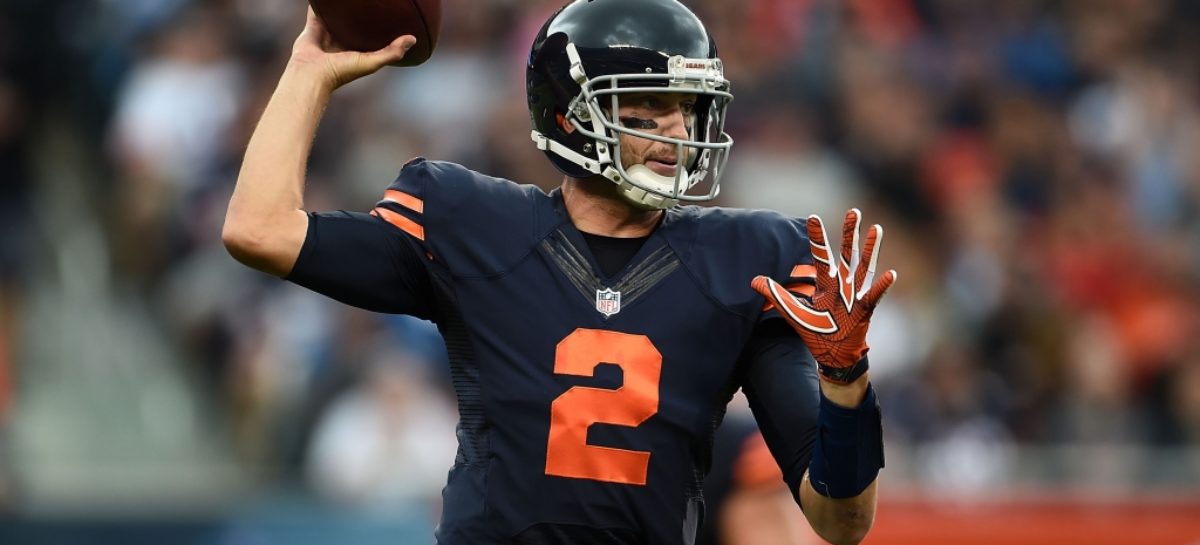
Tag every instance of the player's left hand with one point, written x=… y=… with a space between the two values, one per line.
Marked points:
x=833 y=322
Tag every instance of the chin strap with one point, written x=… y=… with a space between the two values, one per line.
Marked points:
x=601 y=167
x=635 y=195
x=643 y=175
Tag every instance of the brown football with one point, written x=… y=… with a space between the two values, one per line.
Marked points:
x=368 y=25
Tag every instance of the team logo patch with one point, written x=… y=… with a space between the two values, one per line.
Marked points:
x=608 y=302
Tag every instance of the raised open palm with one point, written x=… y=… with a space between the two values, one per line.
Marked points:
x=833 y=322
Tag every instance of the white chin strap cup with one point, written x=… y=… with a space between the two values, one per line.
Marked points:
x=650 y=179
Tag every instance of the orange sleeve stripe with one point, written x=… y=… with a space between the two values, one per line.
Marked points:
x=404 y=199
x=804 y=271
x=404 y=224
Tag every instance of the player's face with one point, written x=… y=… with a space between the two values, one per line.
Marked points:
x=663 y=114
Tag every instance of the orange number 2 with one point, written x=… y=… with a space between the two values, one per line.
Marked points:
x=573 y=412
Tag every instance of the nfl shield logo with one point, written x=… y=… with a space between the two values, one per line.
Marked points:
x=608 y=302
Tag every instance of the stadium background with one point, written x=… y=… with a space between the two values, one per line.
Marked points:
x=1034 y=162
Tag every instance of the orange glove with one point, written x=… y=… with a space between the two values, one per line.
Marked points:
x=833 y=322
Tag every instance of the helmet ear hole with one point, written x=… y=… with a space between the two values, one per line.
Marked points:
x=561 y=121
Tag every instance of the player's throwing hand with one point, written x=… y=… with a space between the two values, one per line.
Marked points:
x=315 y=48
x=833 y=322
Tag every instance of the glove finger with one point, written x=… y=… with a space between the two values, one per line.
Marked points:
x=881 y=286
x=865 y=273
x=850 y=236
x=848 y=258
x=762 y=285
x=794 y=310
x=818 y=244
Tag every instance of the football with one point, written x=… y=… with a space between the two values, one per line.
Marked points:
x=368 y=25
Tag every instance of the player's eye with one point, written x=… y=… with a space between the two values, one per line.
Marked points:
x=687 y=108
x=651 y=103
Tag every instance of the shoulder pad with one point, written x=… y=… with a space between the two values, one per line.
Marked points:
x=475 y=225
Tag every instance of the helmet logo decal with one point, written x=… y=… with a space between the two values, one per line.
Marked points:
x=608 y=302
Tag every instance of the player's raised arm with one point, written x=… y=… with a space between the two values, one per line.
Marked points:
x=265 y=225
x=839 y=489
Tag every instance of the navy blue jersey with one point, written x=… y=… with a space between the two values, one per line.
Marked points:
x=587 y=403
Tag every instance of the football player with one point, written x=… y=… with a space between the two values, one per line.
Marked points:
x=596 y=332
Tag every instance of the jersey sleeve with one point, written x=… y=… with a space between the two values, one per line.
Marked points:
x=362 y=261
x=468 y=223
x=780 y=381
x=780 y=375
x=435 y=219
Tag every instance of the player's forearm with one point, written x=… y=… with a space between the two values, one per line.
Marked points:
x=272 y=176
x=846 y=461
x=265 y=223
x=847 y=395
x=844 y=521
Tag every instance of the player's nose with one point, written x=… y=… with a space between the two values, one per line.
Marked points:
x=675 y=125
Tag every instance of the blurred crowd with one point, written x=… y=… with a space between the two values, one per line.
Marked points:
x=1033 y=163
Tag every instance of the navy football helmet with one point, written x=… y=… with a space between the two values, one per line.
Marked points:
x=591 y=52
